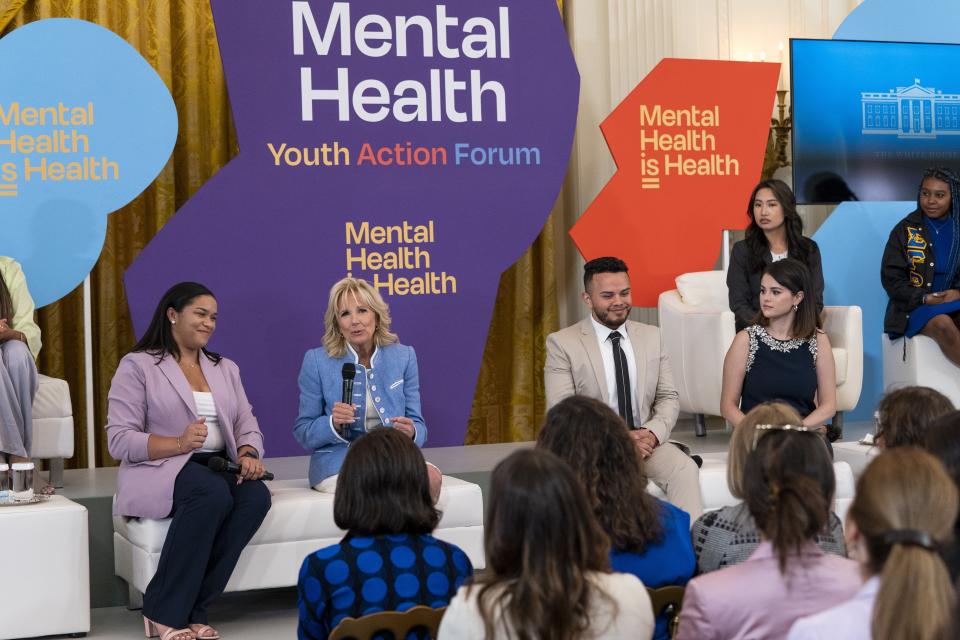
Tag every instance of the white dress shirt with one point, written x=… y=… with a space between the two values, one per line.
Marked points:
x=606 y=352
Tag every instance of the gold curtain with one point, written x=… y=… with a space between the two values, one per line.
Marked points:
x=509 y=401
x=177 y=38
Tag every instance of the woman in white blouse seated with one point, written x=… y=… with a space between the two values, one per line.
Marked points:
x=904 y=510
x=548 y=564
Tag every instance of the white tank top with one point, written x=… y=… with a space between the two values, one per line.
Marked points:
x=207 y=409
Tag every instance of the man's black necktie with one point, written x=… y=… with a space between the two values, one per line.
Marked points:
x=622 y=374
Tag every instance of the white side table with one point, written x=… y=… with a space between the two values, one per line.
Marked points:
x=45 y=588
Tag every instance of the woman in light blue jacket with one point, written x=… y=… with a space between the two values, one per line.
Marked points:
x=386 y=389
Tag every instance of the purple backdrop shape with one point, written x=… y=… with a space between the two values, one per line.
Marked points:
x=270 y=240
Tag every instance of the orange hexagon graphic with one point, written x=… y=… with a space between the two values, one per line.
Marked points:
x=688 y=142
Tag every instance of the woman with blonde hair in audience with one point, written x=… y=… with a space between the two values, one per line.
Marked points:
x=788 y=484
x=905 y=508
x=649 y=538
x=729 y=535
x=548 y=567
x=903 y=415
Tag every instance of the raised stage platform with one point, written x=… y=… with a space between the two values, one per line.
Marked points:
x=94 y=488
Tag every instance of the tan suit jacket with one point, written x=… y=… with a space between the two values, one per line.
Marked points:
x=574 y=366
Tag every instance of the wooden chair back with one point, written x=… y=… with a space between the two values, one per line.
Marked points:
x=667 y=601
x=397 y=622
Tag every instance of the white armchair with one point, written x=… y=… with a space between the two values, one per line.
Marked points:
x=844 y=327
x=697 y=328
x=919 y=361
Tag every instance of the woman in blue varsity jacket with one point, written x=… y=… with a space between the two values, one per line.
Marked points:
x=921 y=266
x=386 y=390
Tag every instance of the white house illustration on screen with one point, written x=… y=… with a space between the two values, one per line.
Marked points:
x=911 y=112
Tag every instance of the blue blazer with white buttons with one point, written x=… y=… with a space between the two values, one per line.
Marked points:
x=394 y=383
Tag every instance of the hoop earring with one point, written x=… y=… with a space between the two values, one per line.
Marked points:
x=796 y=308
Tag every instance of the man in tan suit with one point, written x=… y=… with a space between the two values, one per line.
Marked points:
x=620 y=362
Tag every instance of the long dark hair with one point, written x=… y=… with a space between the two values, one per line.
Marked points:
x=794 y=276
x=6 y=303
x=789 y=483
x=383 y=487
x=797 y=246
x=541 y=542
x=158 y=340
x=586 y=434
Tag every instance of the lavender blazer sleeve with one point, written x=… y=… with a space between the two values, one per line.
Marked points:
x=149 y=398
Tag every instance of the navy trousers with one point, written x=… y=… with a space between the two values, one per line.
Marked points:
x=213 y=520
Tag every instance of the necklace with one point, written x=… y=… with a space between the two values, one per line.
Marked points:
x=937 y=228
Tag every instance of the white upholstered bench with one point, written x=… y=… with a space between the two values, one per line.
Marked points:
x=299 y=522
x=53 y=426
x=716 y=494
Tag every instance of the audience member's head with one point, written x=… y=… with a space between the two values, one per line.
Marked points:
x=541 y=540
x=904 y=510
x=942 y=439
x=904 y=414
x=383 y=487
x=788 y=485
x=777 y=414
x=587 y=434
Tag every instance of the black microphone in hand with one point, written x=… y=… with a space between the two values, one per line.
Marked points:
x=349 y=372
x=225 y=466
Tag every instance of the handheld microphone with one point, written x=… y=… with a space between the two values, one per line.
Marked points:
x=225 y=466
x=349 y=372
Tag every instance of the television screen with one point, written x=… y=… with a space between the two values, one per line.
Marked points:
x=869 y=117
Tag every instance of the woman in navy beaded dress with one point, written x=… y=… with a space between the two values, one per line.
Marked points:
x=388 y=561
x=783 y=355
x=921 y=266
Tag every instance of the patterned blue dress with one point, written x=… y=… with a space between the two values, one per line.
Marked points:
x=362 y=575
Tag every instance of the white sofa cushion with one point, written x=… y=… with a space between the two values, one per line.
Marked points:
x=705 y=289
x=52 y=399
x=299 y=513
x=716 y=494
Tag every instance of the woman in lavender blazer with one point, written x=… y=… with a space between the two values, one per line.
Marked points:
x=174 y=405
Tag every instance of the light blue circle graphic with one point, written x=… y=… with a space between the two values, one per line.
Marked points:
x=853 y=237
x=86 y=124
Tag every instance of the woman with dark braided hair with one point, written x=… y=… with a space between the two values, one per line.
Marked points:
x=19 y=346
x=775 y=232
x=921 y=266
